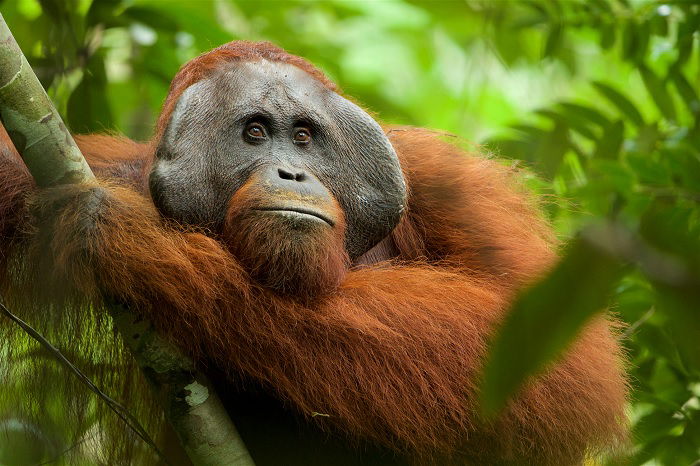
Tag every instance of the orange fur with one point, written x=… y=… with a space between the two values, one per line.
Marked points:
x=117 y=157
x=392 y=353
x=297 y=265
x=15 y=183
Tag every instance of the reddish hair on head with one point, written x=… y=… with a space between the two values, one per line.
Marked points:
x=200 y=67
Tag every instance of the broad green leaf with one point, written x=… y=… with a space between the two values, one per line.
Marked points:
x=620 y=101
x=546 y=318
x=608 y=147
x=658 y=91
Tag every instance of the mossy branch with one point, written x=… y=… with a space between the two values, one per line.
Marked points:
x=192 y=407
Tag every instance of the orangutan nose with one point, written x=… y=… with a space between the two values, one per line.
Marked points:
x=294 y=181
x=296 y=175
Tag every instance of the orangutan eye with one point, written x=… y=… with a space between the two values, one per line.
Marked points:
x=302 y=136
x=255 y=132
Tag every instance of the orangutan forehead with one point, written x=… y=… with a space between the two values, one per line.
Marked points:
x=259 y=85
x=270 y=75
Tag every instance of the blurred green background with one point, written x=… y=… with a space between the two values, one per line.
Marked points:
x=597 y=98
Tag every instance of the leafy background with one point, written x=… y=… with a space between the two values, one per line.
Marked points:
x=598 y=98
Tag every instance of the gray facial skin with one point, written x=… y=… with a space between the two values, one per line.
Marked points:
x=204 y=156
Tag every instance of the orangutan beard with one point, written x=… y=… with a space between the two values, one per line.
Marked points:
x=294 y=256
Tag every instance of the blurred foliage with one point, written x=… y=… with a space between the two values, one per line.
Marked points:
x=597 y=97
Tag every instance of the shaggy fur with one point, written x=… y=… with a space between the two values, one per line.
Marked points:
x=390 y=352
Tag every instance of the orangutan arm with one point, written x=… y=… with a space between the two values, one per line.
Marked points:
x=116 y=157
x=395 y=357
x=469 y=211
x=108 y=239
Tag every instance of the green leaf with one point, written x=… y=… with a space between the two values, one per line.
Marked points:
x=629 y=40
x=550 y=150
x=610 y=177
x=103 y=11
x=643 y=34
x=23 y=443
x=680 y=302
x=160 y=60
x=648 y=138
x=511 y=148
x=573 y=110
x=655 y=425
x=620 y=101
x=686 y=166
x=659 y=25
x=554 y=40
x=547 y=317
x=529 y=131
x=88 y=107
x=658 y=91
x=684 y=38
x=607 y=35
x=650 y=171
x=576 y=123
x=600 y=7
x=686 y=91
x=608 y=147
x=673 y=231
x=156 y=18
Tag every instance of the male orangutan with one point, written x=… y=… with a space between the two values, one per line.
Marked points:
x=342 y=280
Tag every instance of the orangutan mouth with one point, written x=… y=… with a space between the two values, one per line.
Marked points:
x=301 y=211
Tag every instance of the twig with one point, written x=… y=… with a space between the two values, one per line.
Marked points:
x=633 y=328
x=114 y=405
